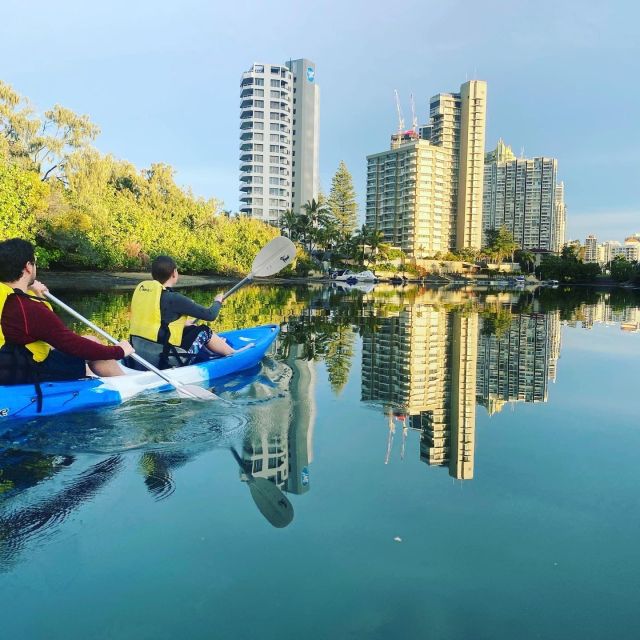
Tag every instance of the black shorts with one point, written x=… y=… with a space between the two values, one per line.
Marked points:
x=61 y=366
x=191 y=333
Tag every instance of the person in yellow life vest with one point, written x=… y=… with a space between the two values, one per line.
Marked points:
x=35 y=346
x=161 y=330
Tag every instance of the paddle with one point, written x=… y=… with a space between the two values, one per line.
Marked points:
x=273 y=257
x=271 y=502
x=185 y=390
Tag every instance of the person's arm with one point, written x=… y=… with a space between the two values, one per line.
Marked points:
x=43 y=324
x=175 y=304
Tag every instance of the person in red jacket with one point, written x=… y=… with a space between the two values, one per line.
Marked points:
x=35 y=346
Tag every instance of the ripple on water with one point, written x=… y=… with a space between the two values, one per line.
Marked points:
x=158 y=420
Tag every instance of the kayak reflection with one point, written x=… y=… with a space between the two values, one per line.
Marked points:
x=21 y=525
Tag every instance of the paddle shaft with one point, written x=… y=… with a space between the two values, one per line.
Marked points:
x=104 y=334
x=237 y=286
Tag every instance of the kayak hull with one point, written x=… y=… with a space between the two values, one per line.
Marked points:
x=20 y=402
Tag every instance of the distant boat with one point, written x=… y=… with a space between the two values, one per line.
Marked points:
x=345 y=275
x=363 y=287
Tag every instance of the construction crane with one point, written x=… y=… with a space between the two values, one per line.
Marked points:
x=399 y=109
x=414 y=119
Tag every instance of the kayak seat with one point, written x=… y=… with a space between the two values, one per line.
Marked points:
x=158 y=355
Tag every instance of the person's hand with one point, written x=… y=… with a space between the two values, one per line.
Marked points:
x=219 y=298
x=38 y=288
x=126 y=347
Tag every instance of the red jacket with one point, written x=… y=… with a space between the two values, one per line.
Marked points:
x=25 y=320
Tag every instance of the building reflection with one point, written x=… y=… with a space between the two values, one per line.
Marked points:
x=517 y=364
x=430 y=359
x=279 y=446
x=602 y=312
x=421 y=360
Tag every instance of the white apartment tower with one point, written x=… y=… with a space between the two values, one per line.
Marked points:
x=591 y=249
x=279 y=130
x=425 y=193
x=524 y=196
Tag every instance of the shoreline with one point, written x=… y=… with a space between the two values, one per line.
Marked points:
x=124 y=280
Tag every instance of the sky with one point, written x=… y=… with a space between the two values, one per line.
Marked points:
x=161 y=80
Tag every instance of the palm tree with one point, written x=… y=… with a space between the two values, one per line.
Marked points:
x=526 y=259
x=318 y=218
x=289 y=224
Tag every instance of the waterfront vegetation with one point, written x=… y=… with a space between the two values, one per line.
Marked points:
x=85 y=209
x=88 y=210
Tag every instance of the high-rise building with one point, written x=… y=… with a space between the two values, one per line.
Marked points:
x=523 y=196
x=560 y=218
x=425 y=193
x=591 y=249
x=305 y=164
x=608 y=250
x=279 y=130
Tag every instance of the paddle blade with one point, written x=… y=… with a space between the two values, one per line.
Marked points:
x=273 y=504
x=274 y=257
x=193 y=392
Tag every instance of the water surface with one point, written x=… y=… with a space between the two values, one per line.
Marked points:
x=460 y=464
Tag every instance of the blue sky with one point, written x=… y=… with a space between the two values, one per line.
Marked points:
x=162 y=81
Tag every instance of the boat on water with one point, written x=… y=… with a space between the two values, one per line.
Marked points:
x=20 y=401
x=344 y=275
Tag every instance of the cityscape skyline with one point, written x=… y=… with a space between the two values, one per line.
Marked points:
x=176 y=100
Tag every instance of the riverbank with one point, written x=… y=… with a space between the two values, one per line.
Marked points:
x=125 y=280
x=102 y=280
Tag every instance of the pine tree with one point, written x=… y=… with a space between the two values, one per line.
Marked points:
x=342 y=200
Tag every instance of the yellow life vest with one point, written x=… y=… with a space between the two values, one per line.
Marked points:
x=39 y=349
x=146 y=320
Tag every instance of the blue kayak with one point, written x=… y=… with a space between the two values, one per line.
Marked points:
x=20 y=402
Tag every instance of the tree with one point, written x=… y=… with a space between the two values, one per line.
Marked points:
x=22 y=197
x=501 y=243
x=41 y=144
x=342 y=200
x=339 y=357
x=316 y=216
x=526 y=260
x=289 y=224
x=621 y=269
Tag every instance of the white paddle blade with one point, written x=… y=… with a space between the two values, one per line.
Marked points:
x=274 y=257
x=193 y=392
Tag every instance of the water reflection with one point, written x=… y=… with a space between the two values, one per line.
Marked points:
x=428 y=360
x=36 y=520
x=279 y=446
x=431 y=358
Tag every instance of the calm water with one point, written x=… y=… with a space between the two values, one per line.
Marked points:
x=461 y=465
